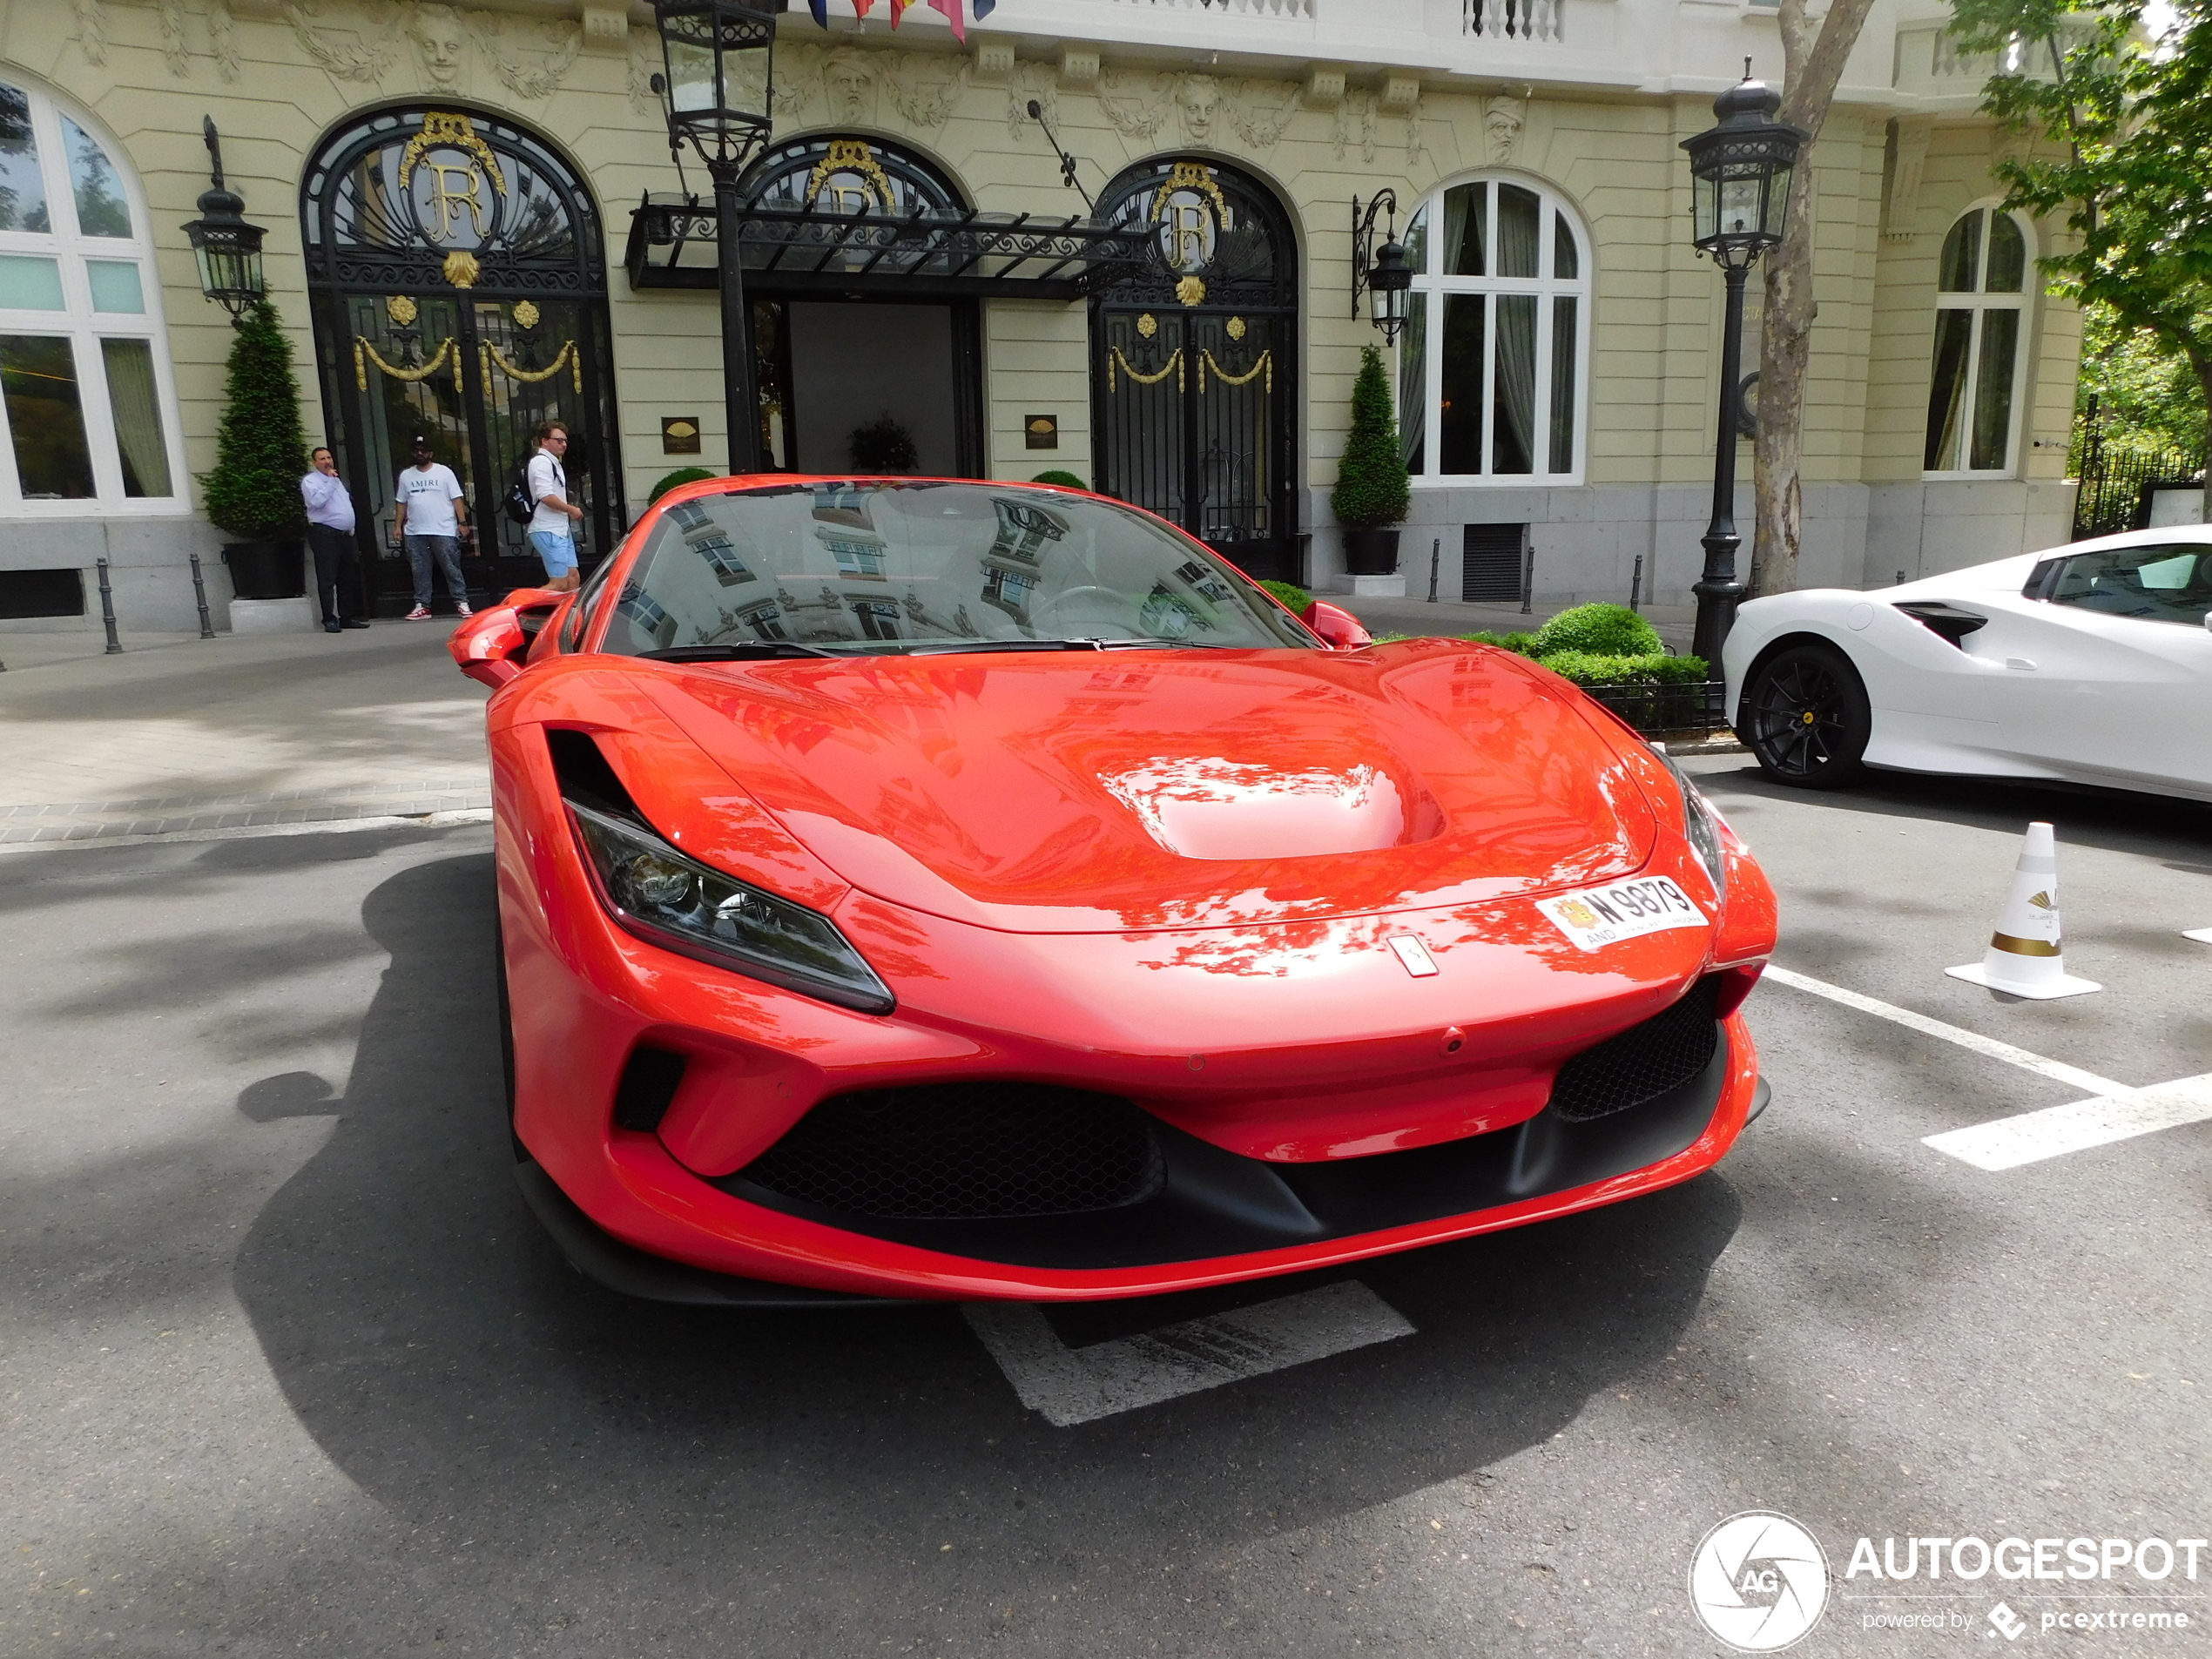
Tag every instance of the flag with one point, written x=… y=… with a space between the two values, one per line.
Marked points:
x=821 y=9
x=984 y=8
x=860 y=8
x=956 y=14
x=898 y=9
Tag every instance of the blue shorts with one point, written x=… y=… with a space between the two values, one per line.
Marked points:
x=558 y=551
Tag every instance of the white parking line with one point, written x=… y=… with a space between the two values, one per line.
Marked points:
x=2118 y=1113
x=1069 y=1386
x=2030 y=1137
x=1991 y=1047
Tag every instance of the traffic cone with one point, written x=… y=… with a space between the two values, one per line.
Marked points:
x=2024 y=958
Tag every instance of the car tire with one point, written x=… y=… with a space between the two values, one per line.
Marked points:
x=1806 y=720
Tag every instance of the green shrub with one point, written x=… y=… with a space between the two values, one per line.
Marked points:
x=1642 y=668
x=1520 y=644
x=681 y=476
x=1065 y=480
x=883 y=445
x=260 y=449
x=1600 y=629
x=1372 y=489
x=1291 y=594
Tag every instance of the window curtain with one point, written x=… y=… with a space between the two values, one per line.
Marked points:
x=1513 y=434
x=1463 y=209
x=1948 y=389
x=1413 y=386
x=1993 y=390
x=1563 y=365
x=136 y=406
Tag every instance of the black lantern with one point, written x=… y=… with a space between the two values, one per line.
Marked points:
x=1384 y=272
x=227 y=248
x=721 y=75
x=720 y=57
x=1740 y=172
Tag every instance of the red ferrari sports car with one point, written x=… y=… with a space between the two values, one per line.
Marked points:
x=917 y=888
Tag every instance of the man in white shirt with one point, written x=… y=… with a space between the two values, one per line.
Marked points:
x=548 y=486
x=330 y=537
x=431 y=515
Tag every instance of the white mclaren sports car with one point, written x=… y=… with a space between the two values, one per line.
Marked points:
x=2090 y=663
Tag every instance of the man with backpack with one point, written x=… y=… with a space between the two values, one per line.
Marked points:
x=545 y=491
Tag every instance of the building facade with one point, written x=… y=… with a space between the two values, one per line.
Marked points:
x=475 y=223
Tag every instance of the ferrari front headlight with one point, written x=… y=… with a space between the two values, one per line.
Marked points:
x=676 y=902
x=1702 y=823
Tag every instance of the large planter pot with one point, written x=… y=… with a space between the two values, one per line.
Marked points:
x=265 y=569
x=1370 y=552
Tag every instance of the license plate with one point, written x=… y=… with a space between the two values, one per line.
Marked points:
x=1596 y=917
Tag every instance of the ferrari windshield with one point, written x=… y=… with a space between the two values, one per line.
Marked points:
x=807 y=569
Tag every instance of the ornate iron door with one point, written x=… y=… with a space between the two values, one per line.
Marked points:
x=1192 y=371
x=459 y=295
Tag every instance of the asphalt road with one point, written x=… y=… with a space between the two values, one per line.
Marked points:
x=287 y=1365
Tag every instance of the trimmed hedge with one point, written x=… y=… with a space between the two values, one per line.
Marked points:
x=1599 y=630
x=1065 y=480
x=260 y=449
x=681 y=476
x=1291 y=594
x=1645 y=668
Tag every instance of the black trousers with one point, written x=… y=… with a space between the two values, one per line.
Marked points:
x=337 y=571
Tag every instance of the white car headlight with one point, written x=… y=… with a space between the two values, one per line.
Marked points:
x=676 y=902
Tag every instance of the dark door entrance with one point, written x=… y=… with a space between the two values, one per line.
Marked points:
x=459 y=294
x=1193 y=365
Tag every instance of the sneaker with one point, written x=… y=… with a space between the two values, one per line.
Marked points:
x=330 y=627
x=421 y=613
x=352 y=622
x=462 y=607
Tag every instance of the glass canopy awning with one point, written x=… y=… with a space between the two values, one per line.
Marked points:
x=811 y=248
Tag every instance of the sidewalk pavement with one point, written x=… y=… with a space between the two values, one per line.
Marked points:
x=235 y=732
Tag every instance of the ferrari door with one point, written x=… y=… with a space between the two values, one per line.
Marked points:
x=2108 y=666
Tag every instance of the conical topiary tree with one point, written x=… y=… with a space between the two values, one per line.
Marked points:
x=1371 y=487
x=261 y=447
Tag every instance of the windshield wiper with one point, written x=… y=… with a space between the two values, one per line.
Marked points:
x=740 y=652
x=1061 y=644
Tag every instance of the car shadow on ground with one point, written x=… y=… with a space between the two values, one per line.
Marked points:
x=444 y=1356
x=2116 y=819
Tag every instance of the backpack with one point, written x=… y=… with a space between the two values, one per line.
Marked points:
x=521 y=506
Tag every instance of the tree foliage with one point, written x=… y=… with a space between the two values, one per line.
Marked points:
x=260 y=449
x=2135 y=116
x=1372 y=489
x=2149 y=400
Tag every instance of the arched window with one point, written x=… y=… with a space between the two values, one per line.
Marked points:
x=1982 y=283
x=1495 y=352
x=86 y=403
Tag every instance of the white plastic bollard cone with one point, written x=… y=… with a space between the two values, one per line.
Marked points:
x=2024 y=958
x=2202 y=935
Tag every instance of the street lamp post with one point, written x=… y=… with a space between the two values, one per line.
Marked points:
x=1382 y=272
x=720 y=61
x=1741 y=170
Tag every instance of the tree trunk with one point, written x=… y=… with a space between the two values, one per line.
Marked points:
x=1813 y=64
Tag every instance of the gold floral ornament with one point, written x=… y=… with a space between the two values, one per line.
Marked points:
x=1190 y=291
x=525 y=314
x=401 y=310
x=1236 y=329
x=1173 y=366
x=365 y=354
x=1266 y=365
x=462 y=270
x=1147 y=325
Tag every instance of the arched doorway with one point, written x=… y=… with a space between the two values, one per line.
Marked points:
x=1194 y=362
x=454 y=269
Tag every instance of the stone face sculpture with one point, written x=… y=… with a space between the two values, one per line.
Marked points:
x=441 y=42
x=1503 y=118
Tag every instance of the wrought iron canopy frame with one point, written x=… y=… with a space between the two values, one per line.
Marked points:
x=927 y=254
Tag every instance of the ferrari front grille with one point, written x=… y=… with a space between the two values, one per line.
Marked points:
x=1664 y=1052
x=969 y=1151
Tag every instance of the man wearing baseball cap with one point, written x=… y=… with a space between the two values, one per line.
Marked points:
x=431 y=517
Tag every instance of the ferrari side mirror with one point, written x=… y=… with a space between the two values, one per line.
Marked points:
x=488 y=647
x=1338 y=628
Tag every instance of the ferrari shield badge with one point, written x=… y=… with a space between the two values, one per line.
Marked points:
x=1596 y=917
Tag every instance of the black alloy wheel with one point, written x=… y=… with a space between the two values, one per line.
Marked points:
x=1806 y=718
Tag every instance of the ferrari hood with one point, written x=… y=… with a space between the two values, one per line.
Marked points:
x=1112 y=792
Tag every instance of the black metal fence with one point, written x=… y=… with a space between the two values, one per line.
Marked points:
x=1698 y=707
x=2116 y=483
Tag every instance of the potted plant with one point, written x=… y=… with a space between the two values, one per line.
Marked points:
x=260 y=455
x=1372 y=495
x=883 y=445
